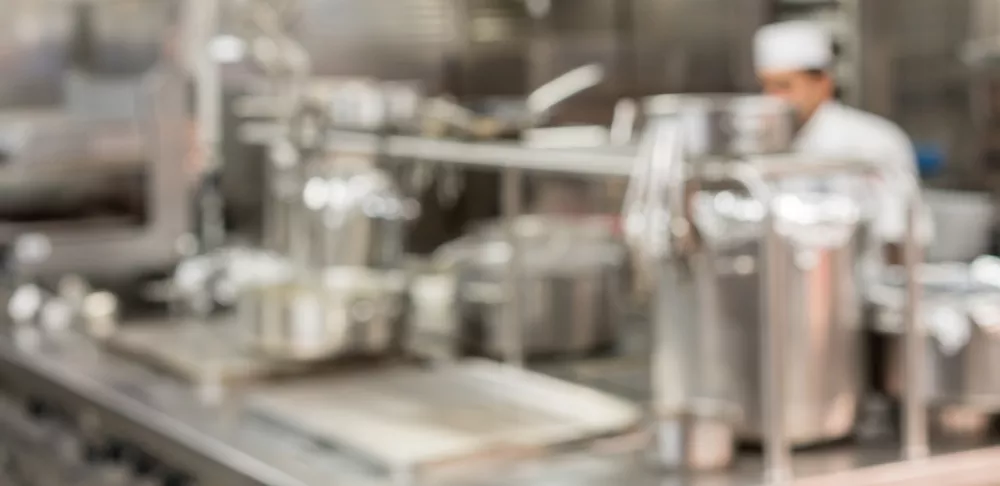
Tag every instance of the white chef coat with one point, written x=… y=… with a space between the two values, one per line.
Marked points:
x=839 y=131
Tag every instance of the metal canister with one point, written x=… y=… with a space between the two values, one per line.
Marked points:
x=708 y=325
x=823 y=236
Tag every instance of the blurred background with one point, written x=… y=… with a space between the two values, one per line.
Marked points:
x=314 y=242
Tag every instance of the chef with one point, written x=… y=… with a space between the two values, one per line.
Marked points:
x=793 y=61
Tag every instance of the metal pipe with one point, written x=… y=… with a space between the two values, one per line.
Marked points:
x=774 y=317
x=511 y=197
x=914 y=426
x=777 y=449
x=672 y=400
x=203 y=23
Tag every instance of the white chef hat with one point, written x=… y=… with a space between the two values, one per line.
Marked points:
x=793 y=46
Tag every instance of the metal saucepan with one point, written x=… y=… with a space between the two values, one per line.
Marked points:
x=334 y=313
x=571 y=289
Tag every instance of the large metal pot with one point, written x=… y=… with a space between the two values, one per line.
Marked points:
x=338 y=312
x=571 y=288
x=961 y=314
x=727 y=126
x=823 y=382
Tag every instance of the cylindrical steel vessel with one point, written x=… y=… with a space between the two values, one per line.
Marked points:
x=710 y=349
x=571 y=292
x=822 y=239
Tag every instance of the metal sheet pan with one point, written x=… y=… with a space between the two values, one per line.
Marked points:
x=409 y=420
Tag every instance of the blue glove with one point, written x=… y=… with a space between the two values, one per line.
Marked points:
x=930 y=159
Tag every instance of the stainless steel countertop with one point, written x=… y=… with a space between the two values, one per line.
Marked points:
x=218 y=441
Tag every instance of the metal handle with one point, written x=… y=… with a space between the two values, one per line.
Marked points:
x=564 y=87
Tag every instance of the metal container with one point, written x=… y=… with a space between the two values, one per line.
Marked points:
x=571 y=292
x=339 y=312
x=339 y=212
x=728 y=126
x=821 y=236
x=962 y=318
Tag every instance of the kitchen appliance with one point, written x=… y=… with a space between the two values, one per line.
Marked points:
x=822 y=238
x=746 y=272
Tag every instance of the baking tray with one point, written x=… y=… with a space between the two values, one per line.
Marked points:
x=409 y=420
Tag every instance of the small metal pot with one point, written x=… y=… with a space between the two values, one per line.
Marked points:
x=341 y=312
x=571 y=291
